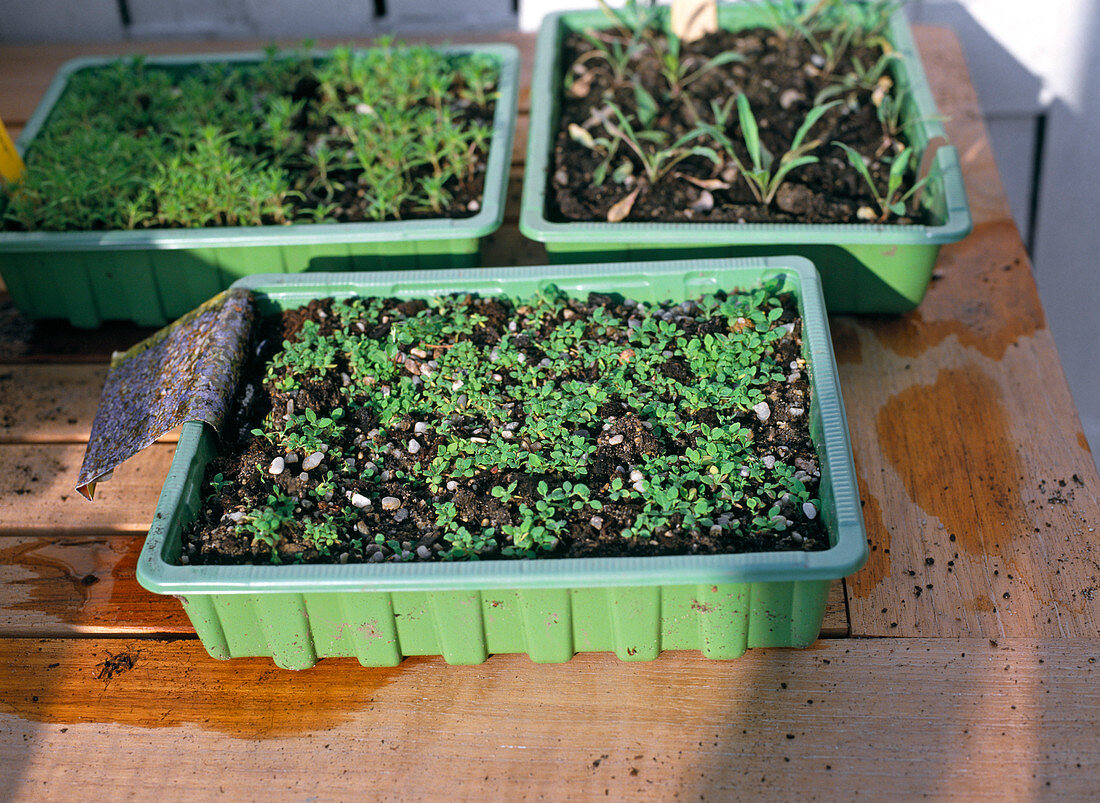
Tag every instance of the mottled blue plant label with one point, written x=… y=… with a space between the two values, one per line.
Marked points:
x=187 y=371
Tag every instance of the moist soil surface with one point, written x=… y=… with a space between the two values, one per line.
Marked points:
x=781 y=79
x=390 y=487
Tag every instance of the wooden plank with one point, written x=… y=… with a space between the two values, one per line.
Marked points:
x=980 y=495
x=37 y=495
x=874 y=718
x=81 y=585
x=49 y=403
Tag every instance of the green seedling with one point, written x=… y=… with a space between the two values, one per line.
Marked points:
x=681 y=73
x=132 y=146
x=891 y=202
x=764 y=173
x=657 y=155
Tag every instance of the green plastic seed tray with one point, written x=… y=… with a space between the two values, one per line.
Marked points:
x=552 y=608
x=879 y=268
x=152 y=276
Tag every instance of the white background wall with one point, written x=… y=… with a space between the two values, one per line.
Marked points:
x=1036 y=67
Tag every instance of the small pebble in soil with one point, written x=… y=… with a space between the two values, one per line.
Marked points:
x=866 y=213
x=344 y=557
x=704 y=203
x=360 y=501
x=639 y=486
x=809 y=509
x=303 y=477
x=615 y=440
x=377 y=557
x=291 y=457
x=636 y=476
x=277 y=466
x=237 y=516
x=473 y=206
x=763 y=411
x=312 y=461
x=414 y=446
x=596 y=522
x=423 y=552
x=361 y=527
x=452 y=485
x=420 y=428
x=769 y=461
x=390 y=503
x=795 y=411
x=401 y=514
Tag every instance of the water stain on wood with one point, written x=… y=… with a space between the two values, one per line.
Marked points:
x=864 y=582
x=73 y=584
x=127 y=683
x=963 y=472
x=1006 y=309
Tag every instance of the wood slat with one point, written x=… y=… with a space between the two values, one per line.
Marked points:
x=980 y=495
x=49 y=403
x=867 y=718
x=80 y=585
x=37 y=495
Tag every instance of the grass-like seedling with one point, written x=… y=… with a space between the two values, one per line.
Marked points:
x=465 y=428
x=387 y=133
x=656 y=116
x=764 y=173
x=891 y=202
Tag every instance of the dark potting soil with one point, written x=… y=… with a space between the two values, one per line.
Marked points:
x=471 y=427
x=780 y=78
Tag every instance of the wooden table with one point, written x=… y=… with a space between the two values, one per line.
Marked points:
x=961 y=660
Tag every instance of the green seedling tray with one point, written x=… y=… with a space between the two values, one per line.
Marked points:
x=152 y=276
x=549 y=609
x=864 y=267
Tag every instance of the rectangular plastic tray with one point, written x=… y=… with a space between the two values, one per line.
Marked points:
x=151 y=276
x=864 y=267
x=549 y=609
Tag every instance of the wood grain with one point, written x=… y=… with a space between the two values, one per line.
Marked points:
x=974 y=473
x=962 y=426
x=37 y=495
x=70 y=585
x=49 y=403
x=867 y=718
